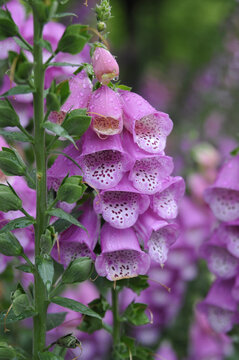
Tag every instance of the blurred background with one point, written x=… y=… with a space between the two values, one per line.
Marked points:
x=183 y=57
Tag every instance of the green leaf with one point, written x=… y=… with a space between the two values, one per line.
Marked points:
x=20 y=304
x=8 y=116
x=46 y=355
x=137 y=284
x=65 y=216
x=21 y=43
x=11 y=162
x=74 y=39
x=8 y=199
x=57 y=63
x=77 y=122
x=77 y=271
x=58 y=130
x=25 y=268
x=12 y=318
x=90 y=325
x=18 y=223
x=55 y=319
x=75 y=306
x=14 y=136
x=19 y=89
x=9 y=245
x=45 y=268
x=63 y=91
x=64 y=14
x=46 y=45
x=135 y=314
x=235 y=151
x=7 y=25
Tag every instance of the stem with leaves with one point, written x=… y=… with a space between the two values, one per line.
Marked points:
x=40 y=157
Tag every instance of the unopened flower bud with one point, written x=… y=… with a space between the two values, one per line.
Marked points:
x=68 y=341
x=105 y=66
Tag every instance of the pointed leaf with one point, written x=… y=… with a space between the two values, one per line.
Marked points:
x=14 y=136
x=65 y=216
x=19 y=89
x=18 y=223
x=55 y=319
x=75 y=306
x=58 y=130
x=11 y=317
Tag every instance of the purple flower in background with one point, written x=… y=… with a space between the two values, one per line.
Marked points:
x=103 y=162
x=223 y=195
x=121 y=205
x=158 y=235
x=205 y=343
x=106 y=111
x=220 y=307
x=165 y=202
x=149 y=127
x=148 y=170
x=166 y=352
x=76 y=242
x=121 y=256
x=221 y=261
x=105 y=66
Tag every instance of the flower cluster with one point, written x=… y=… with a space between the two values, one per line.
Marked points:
x=122 y=157
x=221 y=250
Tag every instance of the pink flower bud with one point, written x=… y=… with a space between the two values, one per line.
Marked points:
x=105 y=66
x=106 y=111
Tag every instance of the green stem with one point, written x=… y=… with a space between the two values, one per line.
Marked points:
x=116 y=322
x=41 y=304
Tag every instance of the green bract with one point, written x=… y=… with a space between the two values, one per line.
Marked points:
x=8 y=199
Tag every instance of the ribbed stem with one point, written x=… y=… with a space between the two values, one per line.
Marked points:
x=40 y=157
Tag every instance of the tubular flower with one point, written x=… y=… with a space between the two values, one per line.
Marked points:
x=148 y=170
x=158 y=235
x=63 y=166
x=223 y=195
x=121 y=256
x=103 y=162
x=76 y=242
x=106 y=111
x=149 y=127
x=80 y=88
x=220 y=307
x=105 y=66
x=121 y=205
x=165 y=202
